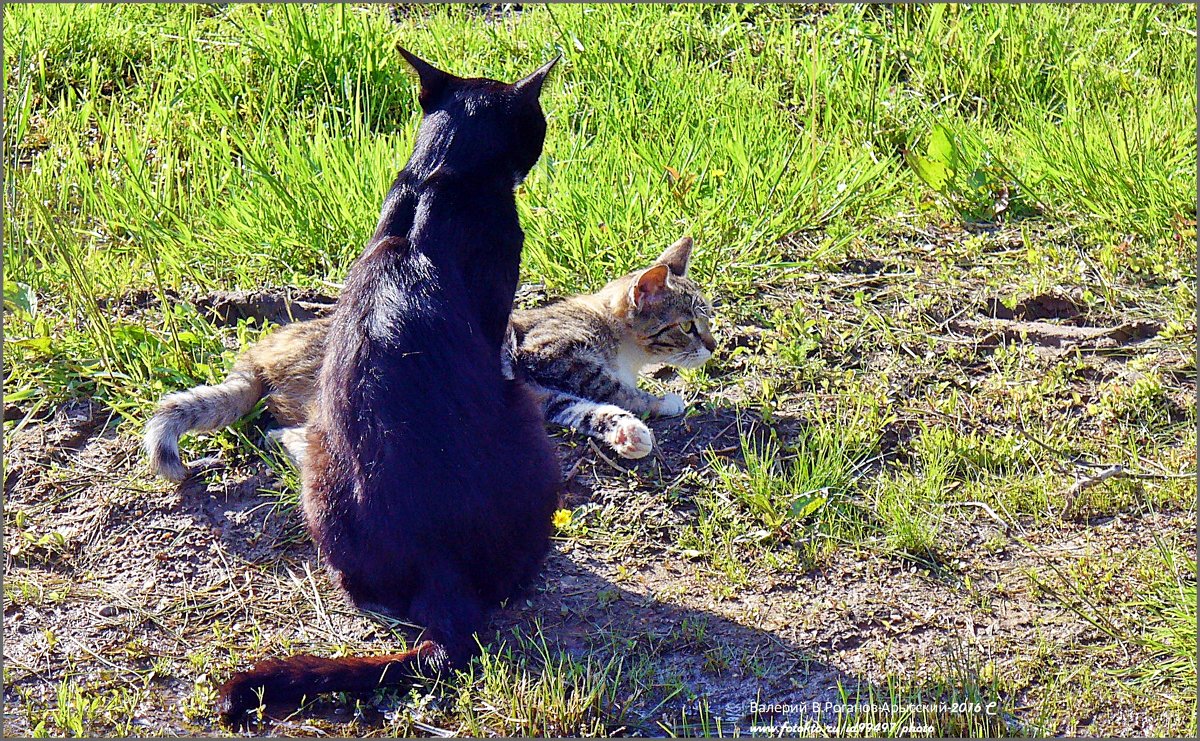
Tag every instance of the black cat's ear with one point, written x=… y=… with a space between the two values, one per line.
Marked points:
x=433 y=80
x=532 y=85
x=677 y=257
x=650 y=286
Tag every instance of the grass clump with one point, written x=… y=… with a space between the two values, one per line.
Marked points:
x=801 y=497
x=555 y=695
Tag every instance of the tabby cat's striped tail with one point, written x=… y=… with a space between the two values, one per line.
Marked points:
x=201 y=408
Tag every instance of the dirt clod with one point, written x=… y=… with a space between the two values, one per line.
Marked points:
x=229 y=307
x=1054 y=305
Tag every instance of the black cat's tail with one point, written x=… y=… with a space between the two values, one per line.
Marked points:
x=290 y=679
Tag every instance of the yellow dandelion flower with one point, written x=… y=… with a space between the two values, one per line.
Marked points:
x=562 y=518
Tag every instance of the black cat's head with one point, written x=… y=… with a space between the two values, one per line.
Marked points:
x=479 y=125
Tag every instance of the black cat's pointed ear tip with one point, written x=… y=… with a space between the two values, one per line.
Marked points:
x=426 y=71
x=545 y=68
x=413 y=60
x=533 y=83
x=433 y=80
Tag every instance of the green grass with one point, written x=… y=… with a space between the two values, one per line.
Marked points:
x=251 y=145
x=565 y=697
x=861 y=181
x=801 y=498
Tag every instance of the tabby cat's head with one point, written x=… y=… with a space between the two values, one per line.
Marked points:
x=667 y=315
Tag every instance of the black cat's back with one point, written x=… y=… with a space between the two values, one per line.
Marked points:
x=461 y=451
x=431 y=437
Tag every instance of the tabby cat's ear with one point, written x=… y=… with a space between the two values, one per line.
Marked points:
x=433 y=80
x=649 y=286
x=532 y=85
x=677 y=257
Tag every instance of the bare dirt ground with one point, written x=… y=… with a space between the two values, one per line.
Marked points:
x=139 y=596
x=145 y=574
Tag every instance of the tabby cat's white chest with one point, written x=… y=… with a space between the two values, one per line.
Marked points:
x=631 y=359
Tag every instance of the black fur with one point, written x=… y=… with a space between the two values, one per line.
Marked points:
x=429 y=482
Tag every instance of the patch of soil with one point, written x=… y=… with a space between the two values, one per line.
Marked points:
x=1053 y=305
x=895 y=441
x=867 y=266
x=717 y=431
x=227 y=308
x=990 y=333
x=65 y=428
x=136 y=302
x=13 y=412
x=681 y=443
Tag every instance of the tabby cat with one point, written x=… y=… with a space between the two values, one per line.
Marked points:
x=581 y=355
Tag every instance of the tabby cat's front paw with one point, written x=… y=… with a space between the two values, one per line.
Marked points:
x=671 y=405
x=631 y=438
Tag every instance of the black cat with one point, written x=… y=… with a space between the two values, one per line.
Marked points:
x=429 y=483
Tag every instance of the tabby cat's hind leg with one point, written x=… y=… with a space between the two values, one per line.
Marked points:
x=619 y=429
x=293 y=441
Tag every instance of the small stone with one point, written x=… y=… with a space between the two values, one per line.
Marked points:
x=108 y=611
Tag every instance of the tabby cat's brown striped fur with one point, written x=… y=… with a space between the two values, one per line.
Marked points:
x=582 y=355
x=283 y=366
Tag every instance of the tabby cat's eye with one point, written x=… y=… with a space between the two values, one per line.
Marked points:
x=686 y=326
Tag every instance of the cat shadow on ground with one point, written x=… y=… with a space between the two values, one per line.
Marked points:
x=663 y=662
x=619 y=595
x=681 y=661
